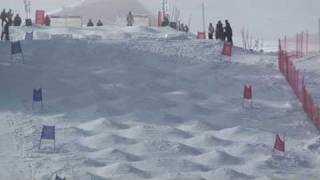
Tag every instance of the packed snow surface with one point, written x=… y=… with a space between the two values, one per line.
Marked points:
x=147 y=103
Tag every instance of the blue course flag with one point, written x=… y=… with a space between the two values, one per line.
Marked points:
x=37 y=95
x=48 y=132
x=59 y=178
x=29 y=36
x=16 y=48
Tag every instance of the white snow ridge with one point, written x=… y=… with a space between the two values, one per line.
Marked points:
x=147 y=103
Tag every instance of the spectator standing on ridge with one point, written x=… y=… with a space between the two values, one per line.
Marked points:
x=90 y=23
x=228 y=32
x=17 y=20
x=99 y=23
x=219 y=31
x=210 y=31
x=10 y=17
x=165 y=21
x=5 y=31
x=181 y=26
x=3 y=17
x=130 y=19
x=186 y=28
x=47 y=20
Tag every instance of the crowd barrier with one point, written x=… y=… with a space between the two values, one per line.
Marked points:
x=296 y=80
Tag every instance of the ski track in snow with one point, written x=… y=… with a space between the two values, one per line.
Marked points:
x=148 y=103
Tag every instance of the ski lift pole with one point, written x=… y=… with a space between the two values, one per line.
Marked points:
x=203 y=18
x=319 y=34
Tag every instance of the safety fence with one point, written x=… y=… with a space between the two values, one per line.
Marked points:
x=296 y=79
x=301 y=45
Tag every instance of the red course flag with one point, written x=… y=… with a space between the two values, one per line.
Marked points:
x=247 y=94
x=227 y=49
x=40 y=17
x=201 y=35
x=279 y=144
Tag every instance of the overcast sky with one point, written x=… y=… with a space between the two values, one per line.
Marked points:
x=265 y=18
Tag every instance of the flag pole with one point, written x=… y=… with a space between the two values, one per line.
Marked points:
x=203 y=18
x=319 y=34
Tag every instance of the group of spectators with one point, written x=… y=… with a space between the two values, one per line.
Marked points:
x=7 y=17
x=178 y=26
x=130 y=21
x=7 y=20
x=91 y=24
x=183 y=27
x=220 y=32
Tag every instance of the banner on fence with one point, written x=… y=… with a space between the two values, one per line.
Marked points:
x=40 y=17
x=201 y=35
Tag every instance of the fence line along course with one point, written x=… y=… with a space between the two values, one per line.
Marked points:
x=296 y=81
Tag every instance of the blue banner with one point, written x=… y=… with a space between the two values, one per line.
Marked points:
x=29 y=36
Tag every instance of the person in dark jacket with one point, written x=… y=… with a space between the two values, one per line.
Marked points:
x=210 y=31
x=17 y=20
x=219 y=31
x=228 y=32
x=130 y=19
x=186 y=28
x=90 y=23
x=47 y=20
x=99 y=23
x=3 y=17
x=10 y=17
x=181 y=27
x=165 y=21
x=5 y=31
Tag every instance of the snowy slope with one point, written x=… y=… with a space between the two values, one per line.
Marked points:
x=147 y=103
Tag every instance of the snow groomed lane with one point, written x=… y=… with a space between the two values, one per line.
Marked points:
x=147 y=103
